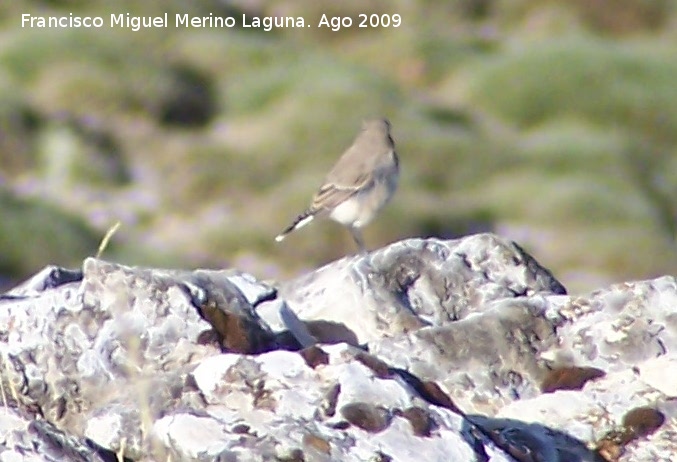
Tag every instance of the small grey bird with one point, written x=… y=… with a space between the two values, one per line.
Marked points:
x=359 y=185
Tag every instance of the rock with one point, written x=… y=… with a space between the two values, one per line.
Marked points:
x=424 y=350
x=97 y=351
x=30 y=439
x=413 y=284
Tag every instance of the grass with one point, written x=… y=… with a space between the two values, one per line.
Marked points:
x=598 y=80
x=501 y=122
x=34 y=234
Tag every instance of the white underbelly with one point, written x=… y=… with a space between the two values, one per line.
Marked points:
x=348 y=212
x=361 y=208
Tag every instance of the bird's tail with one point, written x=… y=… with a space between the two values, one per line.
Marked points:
x=302 y=220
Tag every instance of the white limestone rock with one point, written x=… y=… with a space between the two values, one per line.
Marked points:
x=423 y=350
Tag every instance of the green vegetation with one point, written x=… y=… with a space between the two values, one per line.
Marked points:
x=30 y=230
x=553 y=123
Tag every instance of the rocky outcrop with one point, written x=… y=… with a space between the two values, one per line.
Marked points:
x=432 y=350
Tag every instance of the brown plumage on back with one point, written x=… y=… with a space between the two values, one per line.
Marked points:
x=359 y=185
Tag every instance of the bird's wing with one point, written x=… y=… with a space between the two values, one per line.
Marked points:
x=354 y=170
x=331 y=194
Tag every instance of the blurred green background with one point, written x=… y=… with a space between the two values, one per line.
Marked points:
x=553 y=123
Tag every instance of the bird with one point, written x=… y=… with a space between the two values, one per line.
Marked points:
x=359 y=185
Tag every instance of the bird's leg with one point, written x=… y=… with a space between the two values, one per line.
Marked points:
x=357 y=237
